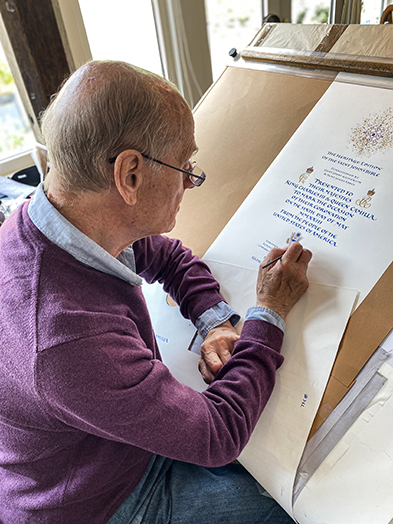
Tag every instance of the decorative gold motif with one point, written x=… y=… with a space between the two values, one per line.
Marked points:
x=303 y=177
x=365 y=201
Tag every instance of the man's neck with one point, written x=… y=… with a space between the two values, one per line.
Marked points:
x=99 y=215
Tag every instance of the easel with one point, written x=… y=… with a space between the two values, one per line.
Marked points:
x=247 y=117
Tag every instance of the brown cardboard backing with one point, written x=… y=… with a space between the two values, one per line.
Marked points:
x=241 y=126
x=366 y=329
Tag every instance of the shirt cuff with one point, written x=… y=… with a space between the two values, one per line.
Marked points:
x=263 y=313
x=215 y=316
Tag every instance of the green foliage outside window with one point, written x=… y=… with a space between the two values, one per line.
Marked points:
x=14 y=136
x=300 y=16
x=6 y=80
x=321 y=15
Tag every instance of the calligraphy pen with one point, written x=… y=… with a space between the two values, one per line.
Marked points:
x=278 y=258
x=272 y=261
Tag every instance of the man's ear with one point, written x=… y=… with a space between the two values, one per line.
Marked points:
x=128 y=175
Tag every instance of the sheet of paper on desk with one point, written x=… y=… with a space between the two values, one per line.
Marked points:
x=174 y=335
x=271 y=456
x=313 y=332
x=331 y=187
x=13 y=189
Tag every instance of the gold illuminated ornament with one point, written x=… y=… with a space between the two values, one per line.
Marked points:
x=303 y=177
x=365 y=201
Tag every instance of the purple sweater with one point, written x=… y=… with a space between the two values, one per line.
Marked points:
x=84 y=397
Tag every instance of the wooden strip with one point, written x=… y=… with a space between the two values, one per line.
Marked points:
x=331 y=38
x=37 y=47
x=333 y=62
x=267 y=29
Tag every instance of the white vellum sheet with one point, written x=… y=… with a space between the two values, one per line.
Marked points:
x=354 y=484
x=331 y=187
x=314 y=329
x=174 y=335
x=288 y=36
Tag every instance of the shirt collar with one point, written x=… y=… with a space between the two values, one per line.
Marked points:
x=61 y=232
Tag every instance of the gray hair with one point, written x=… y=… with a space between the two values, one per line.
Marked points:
x=105 y=108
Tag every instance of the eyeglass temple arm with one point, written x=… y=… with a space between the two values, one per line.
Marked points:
x=172 y=167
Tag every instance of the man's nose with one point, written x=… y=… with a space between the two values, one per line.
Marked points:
x=187 y=182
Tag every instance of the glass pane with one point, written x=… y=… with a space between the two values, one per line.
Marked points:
x=130 y=37
x=310 y=12
x=371 y=11
x=230 y=23
x=16 y=135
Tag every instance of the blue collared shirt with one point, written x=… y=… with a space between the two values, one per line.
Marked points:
x=61 y=232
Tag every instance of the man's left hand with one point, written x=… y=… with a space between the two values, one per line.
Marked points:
x=216 y=350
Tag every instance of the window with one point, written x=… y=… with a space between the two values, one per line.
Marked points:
x=372 y=11
x=16 y=135
x=130 y=37
x=310 y=12
x=171 y=42
x=230 y=24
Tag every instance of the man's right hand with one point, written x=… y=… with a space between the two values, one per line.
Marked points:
x=280 y=285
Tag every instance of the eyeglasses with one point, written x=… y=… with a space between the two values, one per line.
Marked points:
x=195 y=173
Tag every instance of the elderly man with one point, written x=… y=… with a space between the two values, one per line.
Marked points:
x=93 y=427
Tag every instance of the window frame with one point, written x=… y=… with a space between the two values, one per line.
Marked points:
x=173 y=19
x=61 y=22
x=24 y=32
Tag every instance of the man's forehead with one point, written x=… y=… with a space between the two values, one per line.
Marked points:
x=189 y=150
x=187 y=146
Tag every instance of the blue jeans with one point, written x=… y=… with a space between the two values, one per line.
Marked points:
x=179 y=493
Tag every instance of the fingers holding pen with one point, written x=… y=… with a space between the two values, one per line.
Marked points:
x=281 y=283
x=305 y=258
x=292 y=253
x=295 y=253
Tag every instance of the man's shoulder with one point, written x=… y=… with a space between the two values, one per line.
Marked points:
x=18 y=233
x=76 y=301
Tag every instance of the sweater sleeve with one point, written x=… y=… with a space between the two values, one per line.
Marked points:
x=184 y=276
x=111 y=387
